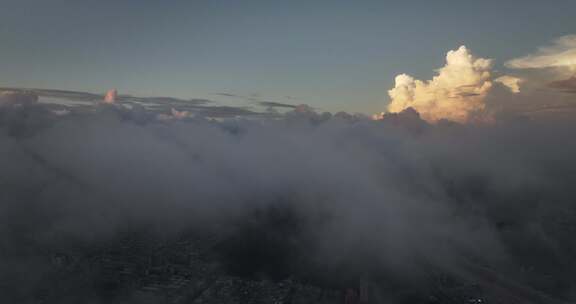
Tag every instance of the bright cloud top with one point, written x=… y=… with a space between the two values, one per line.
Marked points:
x=456 y=93
x=511 y=82
x=562 y=55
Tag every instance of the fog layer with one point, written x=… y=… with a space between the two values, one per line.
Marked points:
x=395 y=194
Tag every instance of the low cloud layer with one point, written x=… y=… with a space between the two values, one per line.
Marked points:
x=393 y=194
x=11 y=98
x=456 y=93
x=402 y=196
x=566 y=85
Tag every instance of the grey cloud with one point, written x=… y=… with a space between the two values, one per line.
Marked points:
x=566 y=85
x=392 y=196
x=64 y=94
x=274 y=104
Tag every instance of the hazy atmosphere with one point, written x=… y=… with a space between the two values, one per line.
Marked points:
x=287 y=152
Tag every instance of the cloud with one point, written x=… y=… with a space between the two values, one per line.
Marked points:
x=15 y=97
x=273 y=104
x=566 y=85
x=456 y=93
x=511 y=82
x=393 y=195
x=59 y=94
x=164 y=107
x=561 y=55
x=110 y=96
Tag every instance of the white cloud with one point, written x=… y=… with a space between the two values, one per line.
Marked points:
x=560 y=55
x=458 y=91
x=511 y=82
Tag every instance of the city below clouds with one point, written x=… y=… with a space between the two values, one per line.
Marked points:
x=321 y=199
x=292 y=152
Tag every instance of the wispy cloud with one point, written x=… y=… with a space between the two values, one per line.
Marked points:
x=560 y=55
x=274 y=104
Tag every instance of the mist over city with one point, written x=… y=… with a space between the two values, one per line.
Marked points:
x=259 y=152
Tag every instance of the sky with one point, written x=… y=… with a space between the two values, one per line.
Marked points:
x=462 y=168
x=333 y=55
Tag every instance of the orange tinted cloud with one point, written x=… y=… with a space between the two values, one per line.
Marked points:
x=458 y=91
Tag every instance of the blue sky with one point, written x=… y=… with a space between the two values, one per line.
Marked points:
x=334 y=55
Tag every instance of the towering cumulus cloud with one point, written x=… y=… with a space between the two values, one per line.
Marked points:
x=456 y=93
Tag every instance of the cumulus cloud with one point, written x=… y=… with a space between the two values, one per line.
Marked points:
x=456 y=93
x=561 y=55
x=110 y=96
x=511 y=82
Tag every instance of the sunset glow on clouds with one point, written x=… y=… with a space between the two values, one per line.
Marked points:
x=561 y=55
x=558 y=60
x=454 y=94
x=461 y=87
x=511 y=82
x=226 y=152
